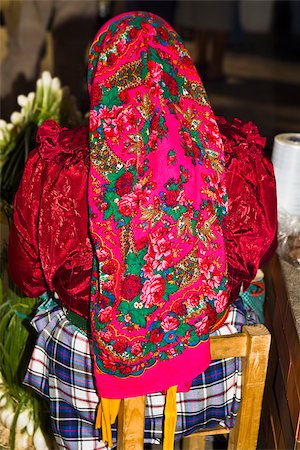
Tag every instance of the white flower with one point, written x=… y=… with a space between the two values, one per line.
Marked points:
x=46 y=78
x=39 y=440
x=7 y=416
x=55 y=84
x=3 y=124
x=22 y=100
x=23 y=441
x=31 y=96
x=9 y=420
x=16 y=118
x=23 y=419
x=3 y=401
x=30 y=427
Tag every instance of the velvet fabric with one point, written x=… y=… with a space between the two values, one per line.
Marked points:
x=49 y=247
x=251 y=224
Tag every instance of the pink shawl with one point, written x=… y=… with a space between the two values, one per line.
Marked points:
x=157 y=200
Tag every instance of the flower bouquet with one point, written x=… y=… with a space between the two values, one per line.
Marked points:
x=21 y=420
x=17 y=138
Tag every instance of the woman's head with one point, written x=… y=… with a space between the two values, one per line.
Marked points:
x=139 y=30
x=139 y=74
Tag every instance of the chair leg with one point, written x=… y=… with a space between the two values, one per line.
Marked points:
x=193 y=443
x=245 y=432
x=131 y=424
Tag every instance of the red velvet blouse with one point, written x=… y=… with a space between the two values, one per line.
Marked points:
x=49 y=247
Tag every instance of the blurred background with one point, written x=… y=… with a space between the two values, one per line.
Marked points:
x=247 y=51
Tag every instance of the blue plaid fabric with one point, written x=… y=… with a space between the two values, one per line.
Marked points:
x=61 y=371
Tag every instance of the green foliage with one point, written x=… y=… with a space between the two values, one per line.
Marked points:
x=17 y=138
x=15 y=313
x=110 y=96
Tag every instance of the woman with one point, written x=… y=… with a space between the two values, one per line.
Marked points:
x=158 y=282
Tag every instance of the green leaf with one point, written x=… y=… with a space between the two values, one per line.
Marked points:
x=176 y=212
x=138 y=318
x=148 y=310
x=124 y=307
x=134 y=263
x=133 y=269
x=182 y=329
x=113 y=176
x=163 y=356
x=108 y=212
x=142 y=254
x=171 y=288
x=194 y=338
x=144 y=133
x=150 y=347
x=179 y=349
x=162 y=122
x=110 y=96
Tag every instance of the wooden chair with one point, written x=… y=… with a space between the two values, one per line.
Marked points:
x=253 y=346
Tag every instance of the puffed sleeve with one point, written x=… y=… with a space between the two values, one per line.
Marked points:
x=49 y=247
x=251 y=225
x=24 y=265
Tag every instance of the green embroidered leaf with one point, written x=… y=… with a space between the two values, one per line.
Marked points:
x=135 y=262
x=162 y=122
x=124 y=307
x=144 y=133
x=163 y=356
x=138 y=318
x=138 y=20
x=176 y=212
x=154 y=56
x=132 y=259
x=179 y=349
x=182 y=329
x=194 y=224
x=194 y=338
x=171 y=288
x=173 y=186
x=110 y=96
x=133 y=269
x=113 y=176
x=108 y=212
x=150 y=347
x=147 y=310
x=142 y=254
x=110 y=196
x=117 y=214
x=121 y=319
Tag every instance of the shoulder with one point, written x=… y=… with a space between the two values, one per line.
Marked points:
x=241 y=138
x=62 y=146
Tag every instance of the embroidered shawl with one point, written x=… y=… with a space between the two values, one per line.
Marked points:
x=157 y=200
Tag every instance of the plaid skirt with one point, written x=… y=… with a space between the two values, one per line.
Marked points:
x=61 y=371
